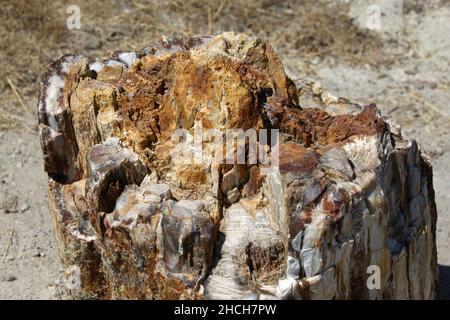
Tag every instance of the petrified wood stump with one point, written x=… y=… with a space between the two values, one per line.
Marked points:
x=343 y=191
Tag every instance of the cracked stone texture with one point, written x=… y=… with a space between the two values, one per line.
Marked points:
x=132 y=223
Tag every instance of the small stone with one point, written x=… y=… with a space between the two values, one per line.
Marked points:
x=10 y=204
x=410 y=72
x=433 y=85
x=39 y=254
x=24 y=207
x=10 y=278
x=316 y=61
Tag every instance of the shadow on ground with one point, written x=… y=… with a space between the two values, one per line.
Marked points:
x=444 y=282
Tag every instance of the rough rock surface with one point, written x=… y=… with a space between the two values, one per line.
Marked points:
x=347 y=191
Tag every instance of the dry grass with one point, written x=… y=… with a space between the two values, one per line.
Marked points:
x=34 y=32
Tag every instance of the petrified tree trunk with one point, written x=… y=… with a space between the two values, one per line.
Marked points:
x=343 y=190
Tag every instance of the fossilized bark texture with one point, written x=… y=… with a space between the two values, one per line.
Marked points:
x=348 y=192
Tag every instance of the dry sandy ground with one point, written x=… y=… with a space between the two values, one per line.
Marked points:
x=413 y=90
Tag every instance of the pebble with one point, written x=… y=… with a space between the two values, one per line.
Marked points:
x=10 y=278
x=316 y=61
x=24 y=207
x=410 y=72
x=9 y=204
x=39 y=254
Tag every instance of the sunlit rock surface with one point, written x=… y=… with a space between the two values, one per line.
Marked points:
x=345 y=191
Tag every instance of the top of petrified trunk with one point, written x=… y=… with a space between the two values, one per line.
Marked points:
x=229 y=81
